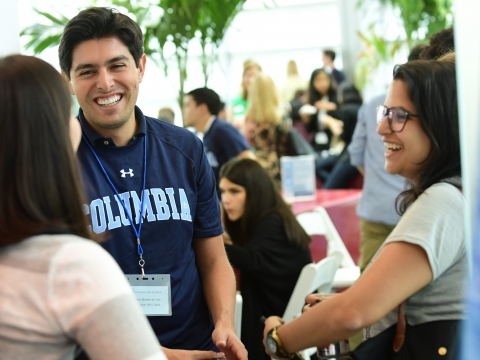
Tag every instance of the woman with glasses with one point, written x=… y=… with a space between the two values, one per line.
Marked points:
x=58 y=289
x=423 y=262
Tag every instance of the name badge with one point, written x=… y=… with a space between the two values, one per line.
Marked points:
x=153 y=293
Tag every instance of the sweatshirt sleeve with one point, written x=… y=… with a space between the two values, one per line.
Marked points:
x=94 y=305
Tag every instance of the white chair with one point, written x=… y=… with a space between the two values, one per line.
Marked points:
x=314 y=277
x=238 y=314
x=317 y=222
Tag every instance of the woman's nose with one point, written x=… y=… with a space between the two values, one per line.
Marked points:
x=383 y=127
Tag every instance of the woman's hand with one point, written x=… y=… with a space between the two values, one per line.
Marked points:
x=325 y=105
x=191 y=354
x=270 y=323
x=314 y=299
x=335 y=125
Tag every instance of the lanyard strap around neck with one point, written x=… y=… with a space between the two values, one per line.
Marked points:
x=142 y=203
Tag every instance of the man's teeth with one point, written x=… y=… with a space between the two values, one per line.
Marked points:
x=109 y=101
x=391 y=146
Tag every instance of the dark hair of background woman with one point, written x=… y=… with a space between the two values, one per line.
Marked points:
x=262 y=198
x=348 y=93
x=432 y=88
x=40 y=183
x=314 y=95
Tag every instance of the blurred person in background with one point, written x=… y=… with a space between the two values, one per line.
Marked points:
x=239 y=105
x=166 y=114
x=320 y=113
x=328 y=59
x=292 y=84
x=222 y=141
x=335 y=171
x=264 y=128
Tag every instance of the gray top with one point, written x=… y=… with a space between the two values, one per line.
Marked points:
x=59 y=290
x=380 y=188
x=435 y=222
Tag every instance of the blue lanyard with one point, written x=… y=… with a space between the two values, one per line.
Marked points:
x=142 y=203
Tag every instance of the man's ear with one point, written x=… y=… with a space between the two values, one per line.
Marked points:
x=69 y=83
x=141 y=67
x=204 y=108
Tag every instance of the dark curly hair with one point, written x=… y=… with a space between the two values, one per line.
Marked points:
x=440 y=43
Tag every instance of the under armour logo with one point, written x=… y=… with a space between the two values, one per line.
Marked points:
x=130 y=172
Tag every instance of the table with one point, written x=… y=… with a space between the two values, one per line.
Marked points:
x=341 y=206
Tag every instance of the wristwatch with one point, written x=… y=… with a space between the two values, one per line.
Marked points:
x=274 y=345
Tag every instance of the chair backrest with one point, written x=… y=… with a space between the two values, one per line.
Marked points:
x=317 y=222
x=238 y=313
x=313 y=277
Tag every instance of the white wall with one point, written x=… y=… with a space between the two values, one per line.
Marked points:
x=467 y=46
x=10 y=43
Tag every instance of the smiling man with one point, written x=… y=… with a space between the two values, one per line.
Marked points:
x=151 y=192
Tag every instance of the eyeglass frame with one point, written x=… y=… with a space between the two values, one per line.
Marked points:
x=389 y=114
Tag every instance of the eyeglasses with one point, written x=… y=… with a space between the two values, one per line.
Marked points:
x=397 y=117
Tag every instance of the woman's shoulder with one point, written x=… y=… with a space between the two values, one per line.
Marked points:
x=50 y=244
x=442 y=193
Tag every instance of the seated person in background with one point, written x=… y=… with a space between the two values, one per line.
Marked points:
x=58 y=288
x=300 y=98
x=222 y=141
x=423 y=262
x=264 y=128
x=321 y=111
x=166 y=114
x=335 y=171
x=266 y=243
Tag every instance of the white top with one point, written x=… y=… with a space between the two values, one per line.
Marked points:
x=59 y=290
x=435 y=222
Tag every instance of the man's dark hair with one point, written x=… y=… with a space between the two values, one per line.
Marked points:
x=439 y=44
x=43 y=188
x=99 y=23
x=432 y=87
x=330 y=53
x=208 y=97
